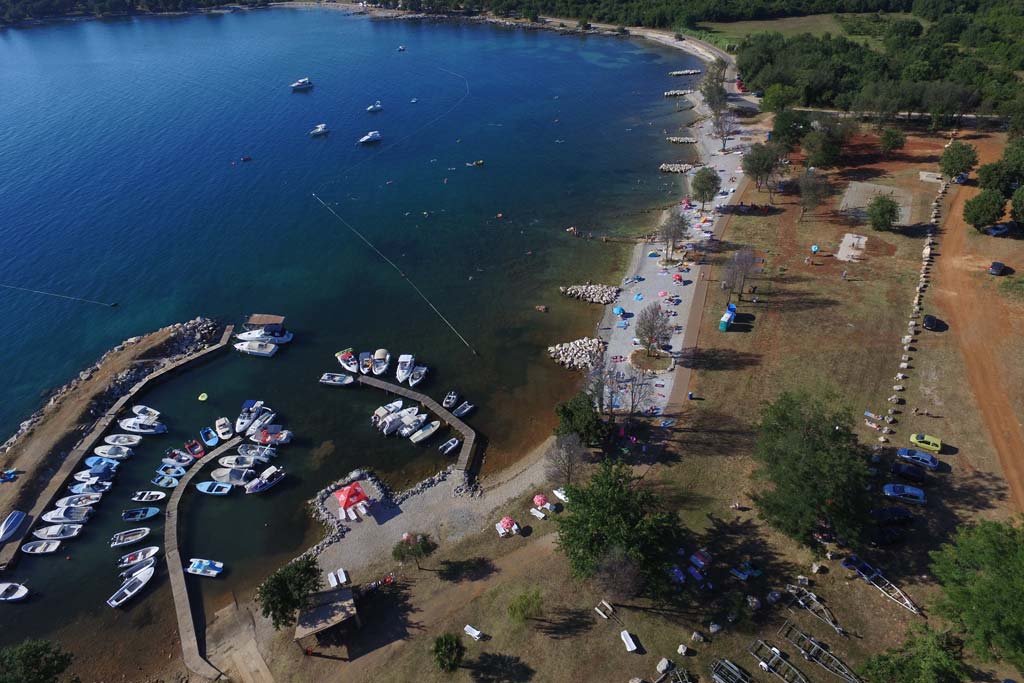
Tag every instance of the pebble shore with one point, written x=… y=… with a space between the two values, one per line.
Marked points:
x=595 y=294
x=581 y=354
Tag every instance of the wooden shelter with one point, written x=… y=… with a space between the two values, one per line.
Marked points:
x=326 y=609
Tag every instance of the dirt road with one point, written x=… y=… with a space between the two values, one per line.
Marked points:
x=977 y=320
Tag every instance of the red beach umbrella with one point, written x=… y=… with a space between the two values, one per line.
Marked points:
x=350 y=495
x=540 y=500
x=663 y=293
x=507 y=523
x=677 y=277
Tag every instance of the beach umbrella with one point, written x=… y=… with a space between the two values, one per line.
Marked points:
x=677 y=277
x=507 y=523
x=663 y=293
x=618 y=310
x=350 y=495
x=540 y=500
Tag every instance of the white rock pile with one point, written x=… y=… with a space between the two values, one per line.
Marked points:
x=595 y=294
x=581 y=354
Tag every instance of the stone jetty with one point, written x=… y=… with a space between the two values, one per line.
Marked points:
x=678 y=168
x=595 y=294
x=581 y=354
x=685 y=72
x=678 y=93
x=682 y=141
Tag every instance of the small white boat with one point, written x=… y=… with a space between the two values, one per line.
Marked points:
x=264 y=418
x=413 y=101
x=214 y=488
x=200 y=567
x=171 y=471
x=410 y=425
x=95 y=460
x=135 y=569
x=146 y=412
x=232 y=476
x=223 y=427
x=405 y=365
x=268 y=478
x=376 y=106
x=319 y=130
x=114 y=452
x=240 y=462
x=101 y=473
x=250 y=411
x=381 y=361
x=372 y=136
x=365 y=362
x=68 y=515
x=301 y=84
x=58 y=532
x=131 y=587
x=138 y=425
x=270 y=335
x=336 y=379
x=91 y=486
x=164 y=482
x=177 y=458
x=122 y=439
x=81 y=500
x=464 y=409
x=401 y=48
x=391 y=423
x=128 y=537
x=450 y=399
x=258 y=452
x=425 y=432
x=385 y=410
x=140 y=555
x=449 y=446
x=418 y=373
x=139 y=514
x=261 y=349
x=40 y=547
x=348 y=360
x=11 y=525
x=12 y=592
x=272 y=435
x=148 y=496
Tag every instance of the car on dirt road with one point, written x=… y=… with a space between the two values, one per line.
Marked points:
x=919 y=458
x=907 y=494
x=927 y=442
x=997 y=268
x=909 y=473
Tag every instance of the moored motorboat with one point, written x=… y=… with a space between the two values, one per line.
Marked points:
x=232 y=476
x=336 y=379
x=382 y=412
x=139 y=514
x=113 y=452
x=271 y=334
x=137 y=568
x=11 y=525
x=425 y=432
x=138 y=425
x=68 y=515
x=372 y=136
x=375 y=107
x=265 y=416
x=40 y=547
x=122 y=439
x=195 y=449
x=259 y=452
x=177 y=458
x=138 y=556
x=406 y=361
x=240 y=462
x=146 y=413
x=464 y=409
x=131 y=587
x=171 y=471
x=58 y=532
x=164 y=482
x=91 y=486
x=214 y=488
x=201 y=567
x=261 y=349
x=390 y=424
x=411 y=424
x=272 y=435
x=223 y=427
x=79 y=500
x=209 y=436
x=103 y=472
x=148 y=496
x=250 y=411
x=348 y=360
x=128 y=537
x=12 y=592
x=450 y=399
x=418 y=373
x=449 y=446
x=268 y=478
x=366 y=362
x=319 y=130
x=94 y=460
x=381 y=361
x=301 y=84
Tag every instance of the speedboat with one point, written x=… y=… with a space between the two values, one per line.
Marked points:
x=264 y=418
x=68 y=515
x=113 y=452
x=146 y=412
x=319 y=130
x=272 y=435
x=418 y=373
x=82 y=500
x=148 y=496
x=270 y=477
x=138 y=425
x=464 y=408
x=128 y=537
x=274 y=335
x=177 y=458
x=131 y=587
x=384 y=411
x=391 y=423
x=410 y=425
x=214 y=488
x=365 y=362
x=449 y=446
x=405 y=365
x=401 y=48
x=164 y=482
x=94 y=460
x=137 y=568
x=250 y=411
x=137 y=556
x=301 y=84
x=450 y=399
x=426 y=432
x=348 y=360
x=372 y=136
x=261 y=349
x=200 y=567
x=232 y=476
x=12 y=592
x=381 y=361
x=223 y=427
x=209 y=436
x=58 y=532
x=139 y=514
x=122 y=439
x=376 y=106
x=171 y=471
x=195 y=449
x=92 y=486
x=240 y=462
x=258 y=452
x=413 y=101
x=336 y=379
x=40 y=547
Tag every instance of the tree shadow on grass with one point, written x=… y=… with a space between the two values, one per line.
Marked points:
x=696 y=358
x=472 y=569
x=566 y=623
x=709 y=433
x=797 y=300
x=392 y=610
x=492 y=667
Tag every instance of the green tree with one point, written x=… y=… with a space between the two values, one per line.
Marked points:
x=672 y=230
x=984 y=209
x=705 y=185
x=613 y=511
x=807 y=451
x=997 y=176
x=761 y=162
x=779 y=97
x=1017 y=212
x=924 y=657
x=891 y=140
x=653 y=326
x=34 y=661
x=526 y=605
x=883 y=212
x=413 y=547
x=821 y=148
x=982 y=578
x=287 y=590
x=958 y=158
x=448 y=652
x=789 y=127
x=579 y=416
x=814 y=189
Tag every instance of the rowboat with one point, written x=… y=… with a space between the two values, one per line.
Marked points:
x=336 y=379
x=122 y=439
x=128 y=537
x=171 y=471
x=94 y=460
x=145 y=412
x=68 y=515
x=139 y=514
x=209 y=436
x=91 y=486
x=12 y=592
x=464 y=409
x=195 y=449
x=136 y=569
x=140 y=555
x=11 y=525
x=58 y=532
x=232 y=476
x=131 y=587
x=214 y=488
x=113 y=452
x=177 y=458
x=76 y=501
x=164 y=482
x=223 y=427
x=148 y=496
x=40 y=547
x=449 y=446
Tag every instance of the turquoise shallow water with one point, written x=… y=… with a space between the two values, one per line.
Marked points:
x=118 y=183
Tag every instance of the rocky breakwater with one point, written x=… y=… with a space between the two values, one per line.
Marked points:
x=581 y=354
x=595 y=294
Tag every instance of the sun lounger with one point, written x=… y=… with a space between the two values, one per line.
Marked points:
x=332 y=580
x=628 y=640
x=342 y=576
x=604 y=603
x=598 y=610
x=352 y=517
x=550 y=507
x=500 y=529
x=361 y=506
x=560 y=495
x=472 y=632
x=515 y=528
x=537 y=513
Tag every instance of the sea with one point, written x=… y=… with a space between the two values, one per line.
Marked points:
x=122 y=181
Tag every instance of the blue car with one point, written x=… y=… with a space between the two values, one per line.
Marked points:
x=908 y=494
x=920 y=458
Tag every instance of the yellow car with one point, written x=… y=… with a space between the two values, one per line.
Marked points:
x=927 y=442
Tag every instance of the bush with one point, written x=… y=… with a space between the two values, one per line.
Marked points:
x=883 y=212
x=527 y=605
x=448 y=652
x=984 y=209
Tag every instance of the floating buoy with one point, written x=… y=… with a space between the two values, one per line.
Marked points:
x=501 y=215
x=203 y=396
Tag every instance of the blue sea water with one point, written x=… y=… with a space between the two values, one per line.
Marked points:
x=120 y=181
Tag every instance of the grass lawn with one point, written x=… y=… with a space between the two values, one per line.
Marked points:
x=724 y=33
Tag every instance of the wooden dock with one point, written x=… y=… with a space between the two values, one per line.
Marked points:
x=467 y=452
x=9 y=553
x=191 y=652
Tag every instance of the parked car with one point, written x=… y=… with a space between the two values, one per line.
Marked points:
x=998 y=230
x=908 y=494
x=931 y=323
x=892 y=515
x=920 y=458
x=927 y=442
x=997 y=268
x=909 y=472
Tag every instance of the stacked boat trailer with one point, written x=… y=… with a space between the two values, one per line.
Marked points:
x=770 y=660
x=724 y=671
x=813 y=651
x=809 y=601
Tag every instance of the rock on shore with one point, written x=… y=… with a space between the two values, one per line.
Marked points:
x=595 y=294
x=581 y=354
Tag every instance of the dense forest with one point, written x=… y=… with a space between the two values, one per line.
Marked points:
x=13 y=11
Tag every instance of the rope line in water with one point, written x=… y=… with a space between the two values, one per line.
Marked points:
x=60 y=296
x=400 y=272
